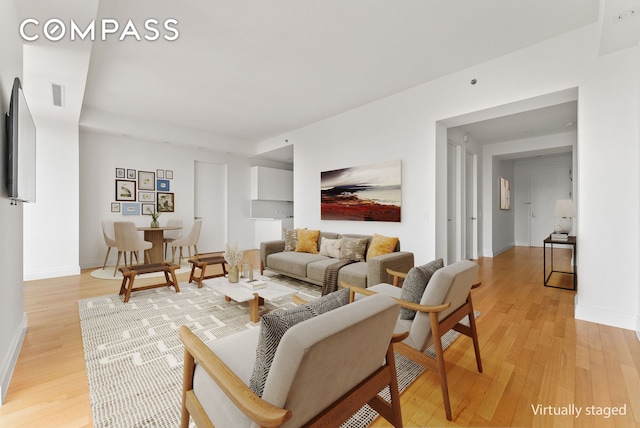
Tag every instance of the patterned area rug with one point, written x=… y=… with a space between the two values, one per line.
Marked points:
x=134 y=356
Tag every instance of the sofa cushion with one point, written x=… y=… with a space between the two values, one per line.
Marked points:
x=307 y=241
x=330 y=247
x=292 y=262
x=272 y=327
x=380 y=245
x=415 y=283
x=353 y=248
x=354 y=274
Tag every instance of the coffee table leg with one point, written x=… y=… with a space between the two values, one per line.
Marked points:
x=253 y=308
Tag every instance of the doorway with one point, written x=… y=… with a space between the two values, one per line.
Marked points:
x=547 y=185
x=210 y=205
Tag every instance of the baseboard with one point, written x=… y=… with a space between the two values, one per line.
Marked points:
x=503 y=249
x=606 y=317
x=14 y=351
x=52 y=273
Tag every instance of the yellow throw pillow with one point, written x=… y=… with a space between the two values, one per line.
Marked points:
x=307 y=241
x=381 y=245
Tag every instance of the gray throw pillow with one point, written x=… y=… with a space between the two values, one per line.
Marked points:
x=414 y=285
x=290 y=239
x=329 y=302
x=353 y=249
x=272 y=327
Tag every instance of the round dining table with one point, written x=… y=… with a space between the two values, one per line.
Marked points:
x=155 y=235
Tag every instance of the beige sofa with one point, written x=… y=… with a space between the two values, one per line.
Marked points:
x=311 y=267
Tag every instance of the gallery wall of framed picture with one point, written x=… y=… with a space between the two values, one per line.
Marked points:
x=139 y=192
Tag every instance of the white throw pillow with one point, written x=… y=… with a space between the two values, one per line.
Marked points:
x=330 y=247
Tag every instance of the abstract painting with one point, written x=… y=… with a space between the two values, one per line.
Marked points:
x=363 y=193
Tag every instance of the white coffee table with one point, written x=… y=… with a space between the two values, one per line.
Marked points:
x=239 y=293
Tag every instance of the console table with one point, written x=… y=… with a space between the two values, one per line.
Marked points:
x=571 y=241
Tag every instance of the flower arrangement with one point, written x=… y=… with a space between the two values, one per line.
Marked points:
x=232 y=255
x=154 y=214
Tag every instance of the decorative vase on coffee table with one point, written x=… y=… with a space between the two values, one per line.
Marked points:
x=233 y=274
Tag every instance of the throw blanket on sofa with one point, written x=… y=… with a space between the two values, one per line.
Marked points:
x=330 y=281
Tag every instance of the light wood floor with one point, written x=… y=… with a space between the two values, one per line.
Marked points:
x=533 y=351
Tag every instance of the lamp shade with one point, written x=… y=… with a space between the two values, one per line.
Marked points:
x=564 y=208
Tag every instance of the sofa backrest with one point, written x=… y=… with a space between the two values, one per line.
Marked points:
x=320 y=359
x=369 y=238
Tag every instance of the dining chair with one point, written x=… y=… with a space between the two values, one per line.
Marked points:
x=191 y=240
x=171 y=235
x=128 y=240
x=107 y=233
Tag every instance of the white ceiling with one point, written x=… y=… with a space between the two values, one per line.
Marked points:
x=242 y=71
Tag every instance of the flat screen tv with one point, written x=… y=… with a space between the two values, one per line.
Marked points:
x=21 y=148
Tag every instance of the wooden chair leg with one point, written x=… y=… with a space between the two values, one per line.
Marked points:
x=106 y=257
x=442 y=372
x=474 y=334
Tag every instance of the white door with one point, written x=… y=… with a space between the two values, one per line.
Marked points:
x=210 y=205
x=471 y=206
x=452 y=185
x=547 y=185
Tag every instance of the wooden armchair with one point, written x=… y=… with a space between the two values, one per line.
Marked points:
x=324 y=370
x=446 y=301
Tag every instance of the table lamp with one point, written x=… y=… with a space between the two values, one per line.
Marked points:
x=564 y=210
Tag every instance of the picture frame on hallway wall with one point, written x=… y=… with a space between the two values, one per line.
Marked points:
x=130 y=208
x=147 y=209
x=131 y=174
x=163 y=185
x=505 y=194
x=120 y=173
x=166 y=202
x=115 y=207
x=160 y=173
x=146 y=180
x=125 y=190
x=146 y=196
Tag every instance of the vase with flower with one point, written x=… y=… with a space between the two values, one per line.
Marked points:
x=154 y=217
x=233 y=257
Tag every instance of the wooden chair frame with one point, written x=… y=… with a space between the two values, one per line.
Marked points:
x=438 y=329
x=268 y=415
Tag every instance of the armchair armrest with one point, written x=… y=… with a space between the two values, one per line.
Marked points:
x=404 y=303
x=254 y=407
x=269 y=247
x=397 y=276
x=400 y=261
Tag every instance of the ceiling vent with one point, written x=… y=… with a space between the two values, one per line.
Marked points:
x=57 y=94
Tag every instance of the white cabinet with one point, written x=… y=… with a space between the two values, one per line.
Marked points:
x=271 y=184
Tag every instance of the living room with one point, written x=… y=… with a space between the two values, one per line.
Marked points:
x=75 y=176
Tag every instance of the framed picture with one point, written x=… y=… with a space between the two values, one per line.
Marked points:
x=163 y=185
x=129 y=208
x=146 y=180
x=115 y=207
x=168 y=174
x=147 y=209
x=160 y=173
x=131 y=174
x=505 y=194
x=120 y=172
x=344 y=197
x=146 y=196
x=165 y=202
x=125 y=190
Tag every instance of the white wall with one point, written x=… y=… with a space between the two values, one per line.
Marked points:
x=408 y=126
x=503 y=220
x=101 y=154
x=13 y=319
x=52 y=235
x=522 y=188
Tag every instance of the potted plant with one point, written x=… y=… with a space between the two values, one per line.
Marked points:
x=154 y=217
x=233 y=257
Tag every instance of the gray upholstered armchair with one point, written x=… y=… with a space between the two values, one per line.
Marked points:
x=324 y=369
x=444 y=303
